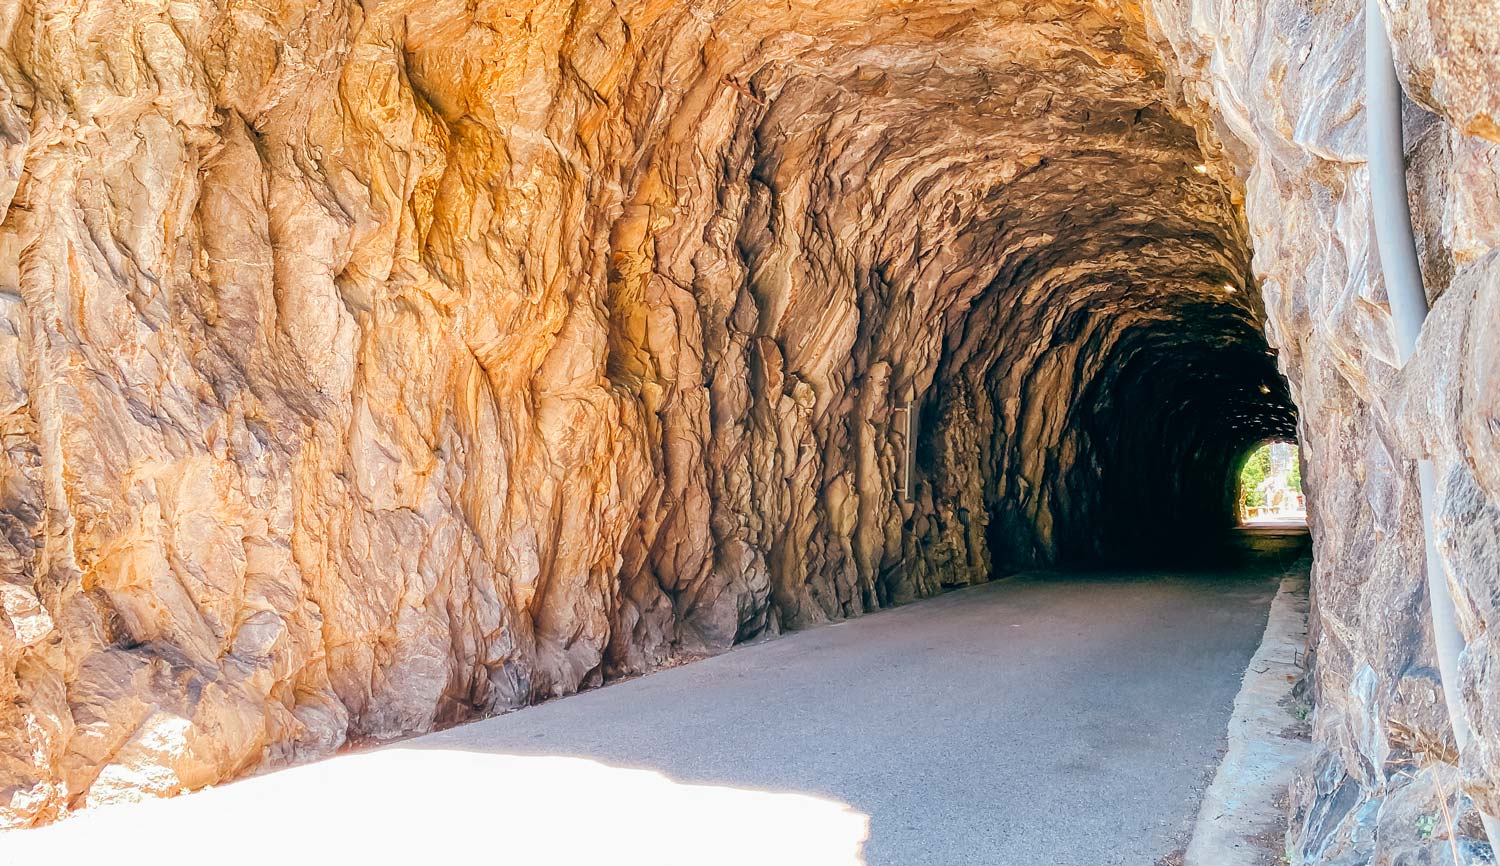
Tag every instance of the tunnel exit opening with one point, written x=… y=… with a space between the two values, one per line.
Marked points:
x=1270 y=485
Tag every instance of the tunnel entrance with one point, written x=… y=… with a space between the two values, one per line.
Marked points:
x=1270 y=485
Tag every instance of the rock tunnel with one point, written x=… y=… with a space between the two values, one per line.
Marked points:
x=968 y=290
x=422 y=360
x=559 y=340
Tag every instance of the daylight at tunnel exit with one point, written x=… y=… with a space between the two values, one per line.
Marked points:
x=677 y=432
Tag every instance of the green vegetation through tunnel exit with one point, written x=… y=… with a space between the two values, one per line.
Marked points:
x=1270 y=484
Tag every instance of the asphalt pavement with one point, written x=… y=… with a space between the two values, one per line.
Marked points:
x=1051 y=719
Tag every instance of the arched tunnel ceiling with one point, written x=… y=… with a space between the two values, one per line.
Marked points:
x=1007 y=209
x=814 y=214
x=524 y=344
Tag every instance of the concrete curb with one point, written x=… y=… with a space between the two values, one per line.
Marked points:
x=1240 y=809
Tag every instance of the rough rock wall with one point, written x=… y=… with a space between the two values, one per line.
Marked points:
x=1286 y=82
x=371 y=366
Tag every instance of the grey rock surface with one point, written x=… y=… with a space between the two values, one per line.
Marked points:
x=1286 y=84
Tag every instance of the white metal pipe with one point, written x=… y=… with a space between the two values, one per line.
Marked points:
x=1397 y=247
x=1387 y=166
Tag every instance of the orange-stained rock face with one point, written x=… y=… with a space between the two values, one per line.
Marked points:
x=370 y=367
x=374 y=367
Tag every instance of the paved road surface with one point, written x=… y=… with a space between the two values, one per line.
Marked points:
x=1041 y=721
